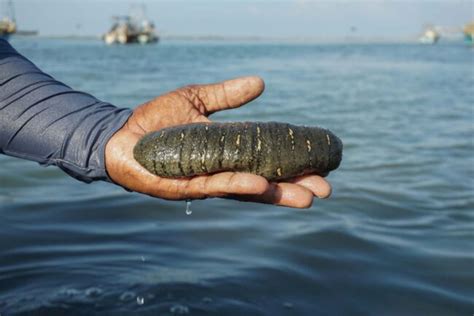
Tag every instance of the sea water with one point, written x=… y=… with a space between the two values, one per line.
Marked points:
x=395 y=238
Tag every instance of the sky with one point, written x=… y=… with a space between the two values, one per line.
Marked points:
x=264 y=18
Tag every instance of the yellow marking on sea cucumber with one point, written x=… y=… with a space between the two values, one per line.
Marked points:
x=329 y=140
x=259 y=144
x=290 y=132
x=237 y=142
x=203 y=159
x=308 y=145
x=279 y=172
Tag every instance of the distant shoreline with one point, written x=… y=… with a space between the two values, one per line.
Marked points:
x=257 y=39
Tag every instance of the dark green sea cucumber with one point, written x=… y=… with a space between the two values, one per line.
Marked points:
x=273 y=150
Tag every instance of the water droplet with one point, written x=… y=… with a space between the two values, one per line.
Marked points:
x=179 y=309
x=143 y=258
x=188 y=207
x=140 y=300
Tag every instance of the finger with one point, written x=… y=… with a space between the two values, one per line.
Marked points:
x=230 y=94
x=225 y=183
x=216 y=185
x=316 y=184
x=283 y=194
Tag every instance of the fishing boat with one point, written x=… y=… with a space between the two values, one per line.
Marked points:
x=132 y=28
x=469 y=33
x=430 y=36
x=7 y=27
x=7 y=22
x=126 y=31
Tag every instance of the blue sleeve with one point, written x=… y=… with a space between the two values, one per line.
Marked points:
x=44 y=120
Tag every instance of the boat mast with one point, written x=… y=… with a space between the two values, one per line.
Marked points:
x=8 y=10
x=11 y=10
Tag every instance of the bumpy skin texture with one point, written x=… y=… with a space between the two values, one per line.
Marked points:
x=273 y=150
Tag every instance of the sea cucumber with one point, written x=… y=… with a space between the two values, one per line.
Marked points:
x=273 y=150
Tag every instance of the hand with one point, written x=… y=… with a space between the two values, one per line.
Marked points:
x=193 y=104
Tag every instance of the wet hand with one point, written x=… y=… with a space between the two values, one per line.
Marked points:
x=193 y=104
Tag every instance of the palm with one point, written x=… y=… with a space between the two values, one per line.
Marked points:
x=193 y=104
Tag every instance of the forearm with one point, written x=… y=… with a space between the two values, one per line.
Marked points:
x=44 y=120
